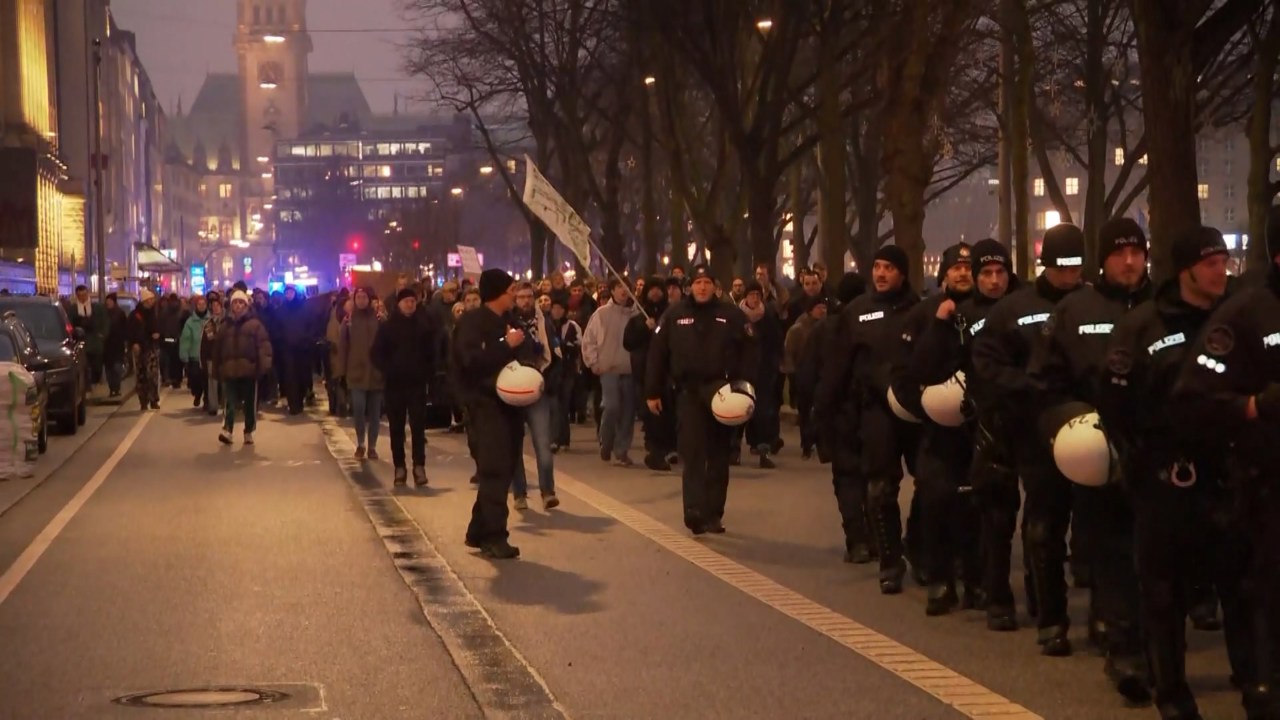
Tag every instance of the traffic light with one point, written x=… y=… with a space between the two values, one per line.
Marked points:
x=355 y=244
x=354 y=241
x=416 y=245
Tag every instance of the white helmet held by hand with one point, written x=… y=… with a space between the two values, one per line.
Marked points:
x=734 y=403
x=898 y=411
x=1081 y=451
x=519 y=385
x=944 y=404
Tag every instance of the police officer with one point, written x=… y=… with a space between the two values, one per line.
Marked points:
x=1068 y=366
x=838 y=433
x=948 y=524
x=700 y=344
x=860 y=369
x=1175 y=482
x=1001 y=353
x=1231 y=385
x=943 y=348
x=483 y=344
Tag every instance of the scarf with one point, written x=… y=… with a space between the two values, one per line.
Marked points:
x=753 y=316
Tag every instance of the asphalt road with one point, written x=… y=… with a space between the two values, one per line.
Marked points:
x=154 y=559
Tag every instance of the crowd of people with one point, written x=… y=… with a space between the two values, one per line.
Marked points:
x=1183 y=377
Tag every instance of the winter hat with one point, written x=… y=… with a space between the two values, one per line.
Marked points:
x=851 y=286
x=145 y=294
x=959 y=254
x=240 y=295
x=406 y=293
x=896 y=257
x=700 y=271
x=814 y=302
x=1118 y=233
x=987 y=252
x=1191 y=247
x=675 y=282
x=654 y=282
x=753 y=286
x=1063 y=247
x=494 y=283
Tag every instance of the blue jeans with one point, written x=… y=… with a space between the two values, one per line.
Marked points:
x=618 y=412
x=366 y=406
x=538 y=417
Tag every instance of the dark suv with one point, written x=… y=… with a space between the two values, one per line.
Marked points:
x=61 y=356
x=18 y=347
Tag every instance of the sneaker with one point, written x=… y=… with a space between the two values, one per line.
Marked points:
x=656 y=462
x=500 y=550
x=224 y=437
x=360 y=452
x=373 y=454
x=673 y=458
x=623 y=460
x=155 y=404
x=402 y=475
x=765 y=462
x=522 y=503
x=248 y=438
x=715 y=527
x=419 y=476
x=549 y=501
x=555 y=448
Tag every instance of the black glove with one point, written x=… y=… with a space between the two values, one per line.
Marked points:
x=1268 y=403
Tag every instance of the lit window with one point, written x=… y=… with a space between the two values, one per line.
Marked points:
x=1037 y=187
x=1142 y=160
x=1052 y=219
x=204 y=189
x=1202 y=191
x=224 y=190
x=1119 y=156
x=1229 y=214
x=1073 y=186
x=384 y=171
x=1278 y=164
x=511 y=166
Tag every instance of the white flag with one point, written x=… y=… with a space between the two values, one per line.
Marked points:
x=541 y=198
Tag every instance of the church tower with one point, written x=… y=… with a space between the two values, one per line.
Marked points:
x=272 y=45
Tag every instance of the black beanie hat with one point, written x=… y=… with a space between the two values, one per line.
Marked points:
x=1273 y=232
x=851 y=286
x=753 y=286
x=406 y=293
x=959 y=254
x=494 y=283
x=1117 y=233
x=895 y=256
x=1063 y=247
x=988 y=252
x=1191 y=247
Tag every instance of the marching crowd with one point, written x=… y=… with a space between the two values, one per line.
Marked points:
x=1134 y=427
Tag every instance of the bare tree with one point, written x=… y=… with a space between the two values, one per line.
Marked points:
x=1264 y=143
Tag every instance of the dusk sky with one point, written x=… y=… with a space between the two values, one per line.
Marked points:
x=180 y=41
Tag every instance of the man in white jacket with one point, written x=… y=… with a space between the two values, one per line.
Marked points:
x=602 y=351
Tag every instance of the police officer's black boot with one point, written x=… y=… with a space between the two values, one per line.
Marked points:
x=1204 y=609
x=1129 y=674
x=1033 y=605
x=858 y=553
x=1052 y=638
x=1174 y=700
x=888 y=539
x=941 y=599
x=1001 y=619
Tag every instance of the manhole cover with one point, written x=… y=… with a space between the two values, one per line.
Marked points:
x=203 y=697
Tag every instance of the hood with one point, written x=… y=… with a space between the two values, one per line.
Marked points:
x=57 y=354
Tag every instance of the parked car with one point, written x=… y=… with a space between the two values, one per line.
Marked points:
x=17 y=346
x=62 y=356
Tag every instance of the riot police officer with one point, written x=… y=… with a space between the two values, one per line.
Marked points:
x=1231 y=385
x=700 y=344
x=1068 y=366
x=1001 y=353
x=860 y=368
x=948 y=525
x=1174 y=481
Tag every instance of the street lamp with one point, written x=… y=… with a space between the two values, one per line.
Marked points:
x=264 y=159
x=273 y=39
x=764 y=25
x=486 y=169
x=649 y=80
x=268 y=85
x=456 y=192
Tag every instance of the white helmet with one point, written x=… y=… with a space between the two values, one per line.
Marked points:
x=900 y=412
x=519 y=385
x=734 y=403
x=944 y=403
x=1081 y=451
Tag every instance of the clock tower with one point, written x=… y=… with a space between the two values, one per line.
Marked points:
x=272 y=45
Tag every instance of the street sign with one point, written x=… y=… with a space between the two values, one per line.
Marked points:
x=345 y=261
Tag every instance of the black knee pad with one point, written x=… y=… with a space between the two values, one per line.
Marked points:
x=1036 y=533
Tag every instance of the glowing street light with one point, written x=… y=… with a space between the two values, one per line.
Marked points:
x=650 y=80
x=764 y=25
x=264 y=159
x=456 y=192
x=486 y=169
x=268 y=85
x=266 y=176
x=273 y=39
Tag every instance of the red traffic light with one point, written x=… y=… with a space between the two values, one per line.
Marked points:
x=355 y=244
x=416 y=244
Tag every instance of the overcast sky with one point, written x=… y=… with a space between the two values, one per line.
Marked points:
x=180 y=41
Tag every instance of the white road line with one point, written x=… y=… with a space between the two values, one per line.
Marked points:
x=27 y=560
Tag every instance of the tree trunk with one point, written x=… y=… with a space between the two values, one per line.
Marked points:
x=1165 y=52
x=867 y=197
x=799 y=206
x=611 y=244
x=1095 y=78
x=1004 y=223
x=762 y=208
x=907 y=169
x=648 y=206
x=1019 y=136
x=1262 y=190
x=679 y=232
x=833 y=191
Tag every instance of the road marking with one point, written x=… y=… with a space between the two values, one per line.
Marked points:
x=964 y=695
x=501 y=680
x=27 y=560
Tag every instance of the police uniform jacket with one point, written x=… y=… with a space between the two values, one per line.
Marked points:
x=1068 y=364
x=1235 y=357
x=1144 y=358
x=479 y=353
x=912 y=371
x=864 y=347
x=699 y=344
x=1002 y=350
